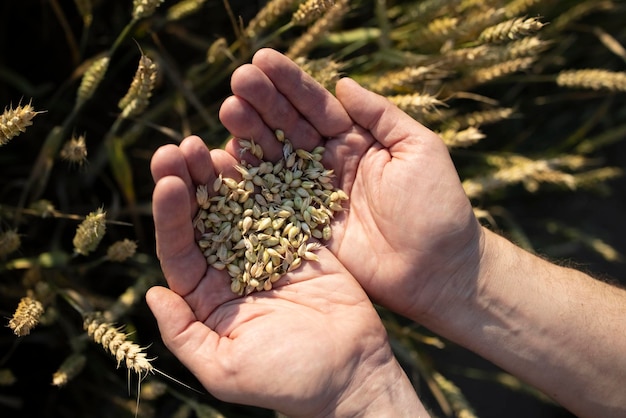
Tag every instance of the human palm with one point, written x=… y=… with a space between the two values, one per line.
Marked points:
x=409 y=226
x=293 y=348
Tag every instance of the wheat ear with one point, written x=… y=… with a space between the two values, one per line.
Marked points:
x=15 y=121
x=26 y=316
x=116 y=343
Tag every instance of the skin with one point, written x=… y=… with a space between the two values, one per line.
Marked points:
x=313 y=346
x=409 y=239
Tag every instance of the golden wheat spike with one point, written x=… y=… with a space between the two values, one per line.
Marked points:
x=138 y=96
x=266 y=17
x=26 y=316
x=405 y=79
x=461 y=138
x=116 y=343
x=183 y=9
x=416 y=104
x=594 y=78
x=487 y=74
x=309 y=39
x=15 y=121
x=91 y=79
x=310 y=10
x=511 y=29
x=90 y=232
x=519 y=7
x=325 y=71
x=517 y=169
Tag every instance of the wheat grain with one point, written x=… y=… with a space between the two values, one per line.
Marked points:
x=26 y=316
x=257 y=228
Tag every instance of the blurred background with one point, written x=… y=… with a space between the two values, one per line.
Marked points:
x=541 y=159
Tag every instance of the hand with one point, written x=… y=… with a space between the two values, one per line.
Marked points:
x=312 y=346
x=409 y=229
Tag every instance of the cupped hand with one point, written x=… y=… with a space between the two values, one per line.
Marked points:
x=311 y=346
x=409 y=227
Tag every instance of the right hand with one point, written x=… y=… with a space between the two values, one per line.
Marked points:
x=409 y=231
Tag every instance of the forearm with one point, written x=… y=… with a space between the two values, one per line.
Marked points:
x=556 y=328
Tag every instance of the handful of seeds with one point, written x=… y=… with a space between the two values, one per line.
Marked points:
x=264 y=225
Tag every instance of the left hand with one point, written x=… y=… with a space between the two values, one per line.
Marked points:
x=311 y=346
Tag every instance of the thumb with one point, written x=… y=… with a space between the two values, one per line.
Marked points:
x=181 y=332
x=388 y=124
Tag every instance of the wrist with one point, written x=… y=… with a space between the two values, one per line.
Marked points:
x=384 y=391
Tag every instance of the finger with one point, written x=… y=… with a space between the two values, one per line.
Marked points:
x=393 y=128
x=252 y=86
x=243 y=121
x=168 y=160
x=181 y=259
x=318 y=106
x=197 y=160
